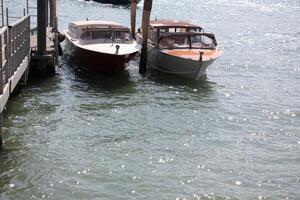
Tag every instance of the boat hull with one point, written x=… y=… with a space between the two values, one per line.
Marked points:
x=100 y=62
x=187 y=68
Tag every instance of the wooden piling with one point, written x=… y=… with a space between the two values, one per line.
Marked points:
x=27 y=7
x=53 y=22
x=47 y=12
x=7 y=18
x=1 y=125
x=41 y=26
x=145 y=25
x=2 y=11
x=133 y=17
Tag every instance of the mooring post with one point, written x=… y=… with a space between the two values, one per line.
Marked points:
x=1 y=125
x=2 y=12
x=7 y=18
x=145 y=25
x=41 y=27
x=133 y=17
x=1 y=66
x=53 y=13
x=27 y=7
x=47 y=12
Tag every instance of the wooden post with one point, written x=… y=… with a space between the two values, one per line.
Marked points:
x=1 y=125
x=47 y=13
x=1 y=65
x=53 y=13
x=41 y=26
x=7 y=18
x=133 y=17
x=27 y=7
x=145 y=25
x=2 y=12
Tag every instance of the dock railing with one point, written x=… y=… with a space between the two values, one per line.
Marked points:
x=4 y=70
x=15 y=47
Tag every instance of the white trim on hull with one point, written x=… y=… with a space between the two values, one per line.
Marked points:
x=106 y=48
x=98 y=61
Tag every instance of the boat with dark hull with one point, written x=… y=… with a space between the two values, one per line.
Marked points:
x=100 y=45
x=180 y=48
x=115 y=2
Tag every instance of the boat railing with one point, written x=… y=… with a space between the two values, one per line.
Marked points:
x=14 y=48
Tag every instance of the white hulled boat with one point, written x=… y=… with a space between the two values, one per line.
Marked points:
x=101 y=45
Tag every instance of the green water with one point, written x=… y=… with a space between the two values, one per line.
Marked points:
x=235 y=135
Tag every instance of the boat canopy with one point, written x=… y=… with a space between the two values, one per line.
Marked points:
x=96 y=24
x=79 y=27
x=160 y=24
x=186 y=40
x=160 y=27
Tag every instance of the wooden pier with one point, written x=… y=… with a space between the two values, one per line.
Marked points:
x=24 y=49
x=14 y=59
x=44 y=64
x=37 y=49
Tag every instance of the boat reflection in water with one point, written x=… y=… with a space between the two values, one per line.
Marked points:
x=101 y=46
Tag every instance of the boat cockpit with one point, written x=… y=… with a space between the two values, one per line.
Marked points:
x=181 y=38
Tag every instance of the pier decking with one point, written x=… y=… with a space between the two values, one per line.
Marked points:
x=50 y=41
x=49 y=60
x=20 y=48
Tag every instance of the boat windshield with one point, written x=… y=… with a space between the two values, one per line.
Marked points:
x=106 y=36
x=186 y=41
x=174 y=42
x=202 y=42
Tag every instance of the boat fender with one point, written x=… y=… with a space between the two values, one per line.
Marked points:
x=60 y=51
x=61 y=37
x=117 y=49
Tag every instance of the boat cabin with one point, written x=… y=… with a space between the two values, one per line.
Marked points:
x=92 y=32
x=173 y=34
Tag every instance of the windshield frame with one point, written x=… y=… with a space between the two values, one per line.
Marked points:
x=188 y=37
x=109 y=36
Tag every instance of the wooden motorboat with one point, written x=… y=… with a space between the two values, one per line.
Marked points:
x=179 y=47
x=115 y=2
x=100 y=45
